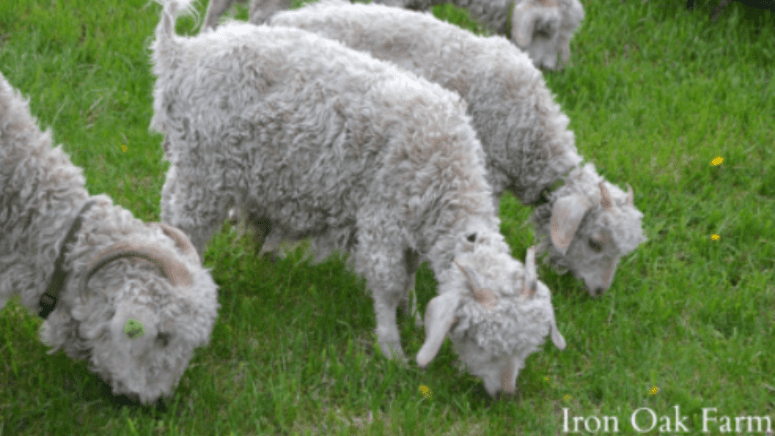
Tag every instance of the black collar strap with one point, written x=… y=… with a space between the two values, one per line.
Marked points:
x=546 y=194
x=543 y=198
x=49 y=299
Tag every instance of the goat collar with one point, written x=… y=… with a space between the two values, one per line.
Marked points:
x=546 y=194
x=543 y=198
x=49 y=298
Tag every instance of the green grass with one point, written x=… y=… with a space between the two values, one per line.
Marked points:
x=654 y=93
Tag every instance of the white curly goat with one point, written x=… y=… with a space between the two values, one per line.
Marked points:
x=511 y=298
x=543 y=28
x=329 y=143
x=260 y=10
x=523 y=132
x=73 y=259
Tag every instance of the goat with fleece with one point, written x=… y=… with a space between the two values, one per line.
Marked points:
x=588 y=224
x=259 y=10
x=542 y=28
x=329 y=143
x=73 y=259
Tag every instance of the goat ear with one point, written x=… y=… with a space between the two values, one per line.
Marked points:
x=566 y=217
x=522 y=24
x=630 y=200
x=555 y=334
x=439 y=317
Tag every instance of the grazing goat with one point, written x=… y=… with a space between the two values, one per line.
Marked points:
x=74 y=259
x=524 y=133
x=329 y=143
x=542 y=28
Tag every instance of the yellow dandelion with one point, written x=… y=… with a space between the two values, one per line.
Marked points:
x=717 y=161
x=654 y=390
x=567 y=397
x=123 y=147
x=546 y=378
x=715 y=237
x=426 y=391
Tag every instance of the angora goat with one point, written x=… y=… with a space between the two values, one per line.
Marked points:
x=130 y=297
x=543 y=28
x=328 y=143
x=524 y=133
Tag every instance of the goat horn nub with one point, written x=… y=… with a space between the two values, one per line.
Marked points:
x=531 y=276
x=483 y=296
x=173 y=270
x=605 y=197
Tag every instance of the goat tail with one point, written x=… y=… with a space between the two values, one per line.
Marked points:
x=164 y=48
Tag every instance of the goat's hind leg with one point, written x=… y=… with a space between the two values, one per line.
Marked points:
x=215 y=9
x=408 y=301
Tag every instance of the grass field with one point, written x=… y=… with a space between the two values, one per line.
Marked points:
x=654 y=94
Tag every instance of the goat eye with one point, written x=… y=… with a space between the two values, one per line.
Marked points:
x=162 y=340
x=471 y=237
x=595 y=245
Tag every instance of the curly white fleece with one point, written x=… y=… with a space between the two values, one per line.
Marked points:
x=41 y=192
x=324 y=142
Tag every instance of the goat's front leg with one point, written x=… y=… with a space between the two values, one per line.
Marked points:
x=190 y=203
x=383 y=264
